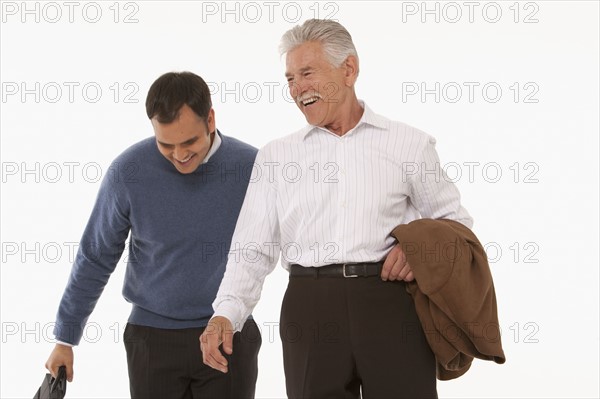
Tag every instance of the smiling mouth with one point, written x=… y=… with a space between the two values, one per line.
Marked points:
x=185 y=161
x=310 y=101
x=307 y=100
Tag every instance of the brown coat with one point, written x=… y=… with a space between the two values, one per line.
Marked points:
x=453 y=293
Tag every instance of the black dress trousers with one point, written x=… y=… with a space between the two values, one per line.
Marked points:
x=352 y=338
x=167 y=364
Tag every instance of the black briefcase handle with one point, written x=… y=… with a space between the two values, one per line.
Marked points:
x=53 y=388
x=60 y=382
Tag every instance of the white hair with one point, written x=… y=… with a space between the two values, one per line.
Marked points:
x=335 y=39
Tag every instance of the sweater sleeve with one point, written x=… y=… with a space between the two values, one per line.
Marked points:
x=100 y=249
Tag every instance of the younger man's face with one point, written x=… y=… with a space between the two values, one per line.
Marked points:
x=185 y=141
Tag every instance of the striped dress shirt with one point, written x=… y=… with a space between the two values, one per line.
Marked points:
x=316 y=198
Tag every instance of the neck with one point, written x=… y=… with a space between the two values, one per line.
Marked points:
x=351 y=115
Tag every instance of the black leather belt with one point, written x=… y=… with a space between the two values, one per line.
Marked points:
x=338 y=270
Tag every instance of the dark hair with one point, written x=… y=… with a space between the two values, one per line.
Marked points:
x=172 y=90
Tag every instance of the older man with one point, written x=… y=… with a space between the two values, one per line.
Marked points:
x=327 y=198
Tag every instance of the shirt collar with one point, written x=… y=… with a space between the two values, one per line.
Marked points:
x=214 y=147
x=368 y=117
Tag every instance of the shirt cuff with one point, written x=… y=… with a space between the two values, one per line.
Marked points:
x=65 y=344
x=228 y=310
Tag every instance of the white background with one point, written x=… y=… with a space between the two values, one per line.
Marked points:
x=540 y=225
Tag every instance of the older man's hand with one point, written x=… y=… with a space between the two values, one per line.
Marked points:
x=218 y=331
x=396 y=267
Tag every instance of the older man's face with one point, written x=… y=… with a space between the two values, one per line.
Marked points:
x=320 y=90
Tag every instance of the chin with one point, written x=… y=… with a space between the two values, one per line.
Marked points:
x=311 y=121
x=315 y=119
x=185 y=170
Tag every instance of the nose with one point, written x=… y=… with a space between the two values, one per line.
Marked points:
x=298 y=86
x=178 y=153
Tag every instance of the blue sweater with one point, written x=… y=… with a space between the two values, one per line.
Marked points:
x=181 y=228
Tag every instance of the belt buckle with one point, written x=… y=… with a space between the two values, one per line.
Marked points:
x=344 y=271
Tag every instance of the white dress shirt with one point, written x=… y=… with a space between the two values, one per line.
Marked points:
x=319 y=199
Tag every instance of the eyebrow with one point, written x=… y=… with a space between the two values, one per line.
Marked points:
x=190 y=141
x=304 y=69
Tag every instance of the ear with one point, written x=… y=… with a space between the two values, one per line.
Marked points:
x=210 y=120
x=351 y=66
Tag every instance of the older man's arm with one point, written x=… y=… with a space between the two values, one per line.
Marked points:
x=433 y=194
x=435 y=197
x=253 y=255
